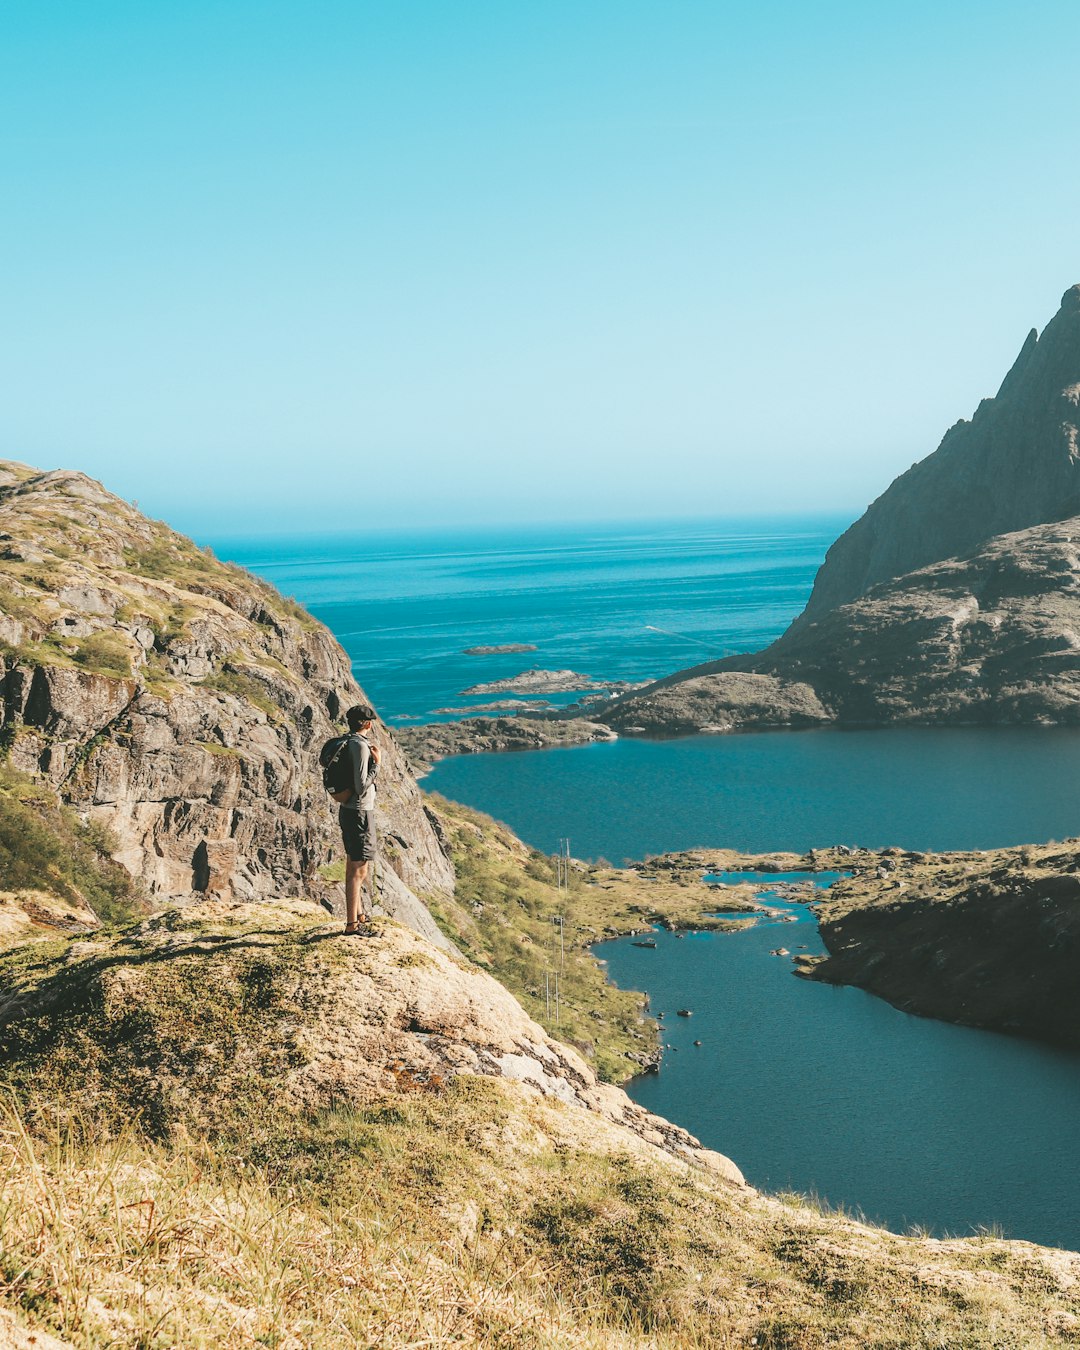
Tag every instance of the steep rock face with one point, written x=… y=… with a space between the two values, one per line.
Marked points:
x=1015 y=464
x=955 y=598
x=994 y=637
x=178 y=700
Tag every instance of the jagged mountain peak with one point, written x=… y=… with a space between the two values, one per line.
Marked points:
x=1015 y=464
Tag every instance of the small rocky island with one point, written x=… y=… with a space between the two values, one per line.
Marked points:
x=505 y=648
x=539 y=682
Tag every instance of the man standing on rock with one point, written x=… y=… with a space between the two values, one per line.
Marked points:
x=356 y=815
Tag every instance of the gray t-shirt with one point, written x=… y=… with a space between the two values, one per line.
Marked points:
x=364 y=769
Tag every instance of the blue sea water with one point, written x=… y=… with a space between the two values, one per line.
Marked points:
x=806 y=1086
x=592 y=599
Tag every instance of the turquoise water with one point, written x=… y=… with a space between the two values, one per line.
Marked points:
x=834 y=1092
x=823 y=880
x=806 y=1086
x=921 y=788
x=405 y=607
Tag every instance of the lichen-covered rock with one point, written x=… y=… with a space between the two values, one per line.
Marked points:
x=179 y=700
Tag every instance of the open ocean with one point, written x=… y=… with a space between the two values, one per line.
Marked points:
x=590 y=599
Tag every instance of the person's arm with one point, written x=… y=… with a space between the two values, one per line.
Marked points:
x=364 y=765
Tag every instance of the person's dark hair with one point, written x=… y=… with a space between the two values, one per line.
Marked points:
x=358 y=714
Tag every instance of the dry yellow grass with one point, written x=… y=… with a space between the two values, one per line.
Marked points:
x=445 y=1209
x=120 y=1242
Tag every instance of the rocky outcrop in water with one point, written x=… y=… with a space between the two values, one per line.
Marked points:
x=985 y=939
x=478 y=735
x=711 y=702
x=180 y=702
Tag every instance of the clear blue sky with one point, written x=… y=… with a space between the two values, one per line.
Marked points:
x=273 y=263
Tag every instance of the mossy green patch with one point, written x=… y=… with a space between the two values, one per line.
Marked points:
x=240 y=683
x=216 y=1020
x=105 y=653
x=45 y=846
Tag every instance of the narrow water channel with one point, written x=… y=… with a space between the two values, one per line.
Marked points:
x=833 y=1092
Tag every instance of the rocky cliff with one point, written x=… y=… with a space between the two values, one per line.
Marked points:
x=986 y=939
x=181 y=702
x=1015 y=464
x=955 y=598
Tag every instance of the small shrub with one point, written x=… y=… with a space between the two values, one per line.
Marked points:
x=104 y=654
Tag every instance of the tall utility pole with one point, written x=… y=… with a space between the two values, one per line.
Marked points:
x=562 y=865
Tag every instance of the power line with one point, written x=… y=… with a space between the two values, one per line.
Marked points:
x=680 y=637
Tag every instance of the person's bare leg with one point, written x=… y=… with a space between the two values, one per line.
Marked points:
x=352 y=892
x=356 y=875
x=363 y=909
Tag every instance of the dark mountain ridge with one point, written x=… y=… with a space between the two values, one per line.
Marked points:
x=954 y=598
x=1015 y=464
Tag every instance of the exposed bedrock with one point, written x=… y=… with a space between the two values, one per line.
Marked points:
x=178 y=700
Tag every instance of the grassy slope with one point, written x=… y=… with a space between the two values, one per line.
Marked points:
x=46 y=850
x=459 y=1212
x=507 y=913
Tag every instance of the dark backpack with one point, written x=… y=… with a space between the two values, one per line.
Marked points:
x=336 y=764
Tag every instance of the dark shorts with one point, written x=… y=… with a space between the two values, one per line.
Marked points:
x=357 y=833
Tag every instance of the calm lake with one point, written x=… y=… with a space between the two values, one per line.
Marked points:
x=923 y=788
x=808 y=1087
x=832 y=1091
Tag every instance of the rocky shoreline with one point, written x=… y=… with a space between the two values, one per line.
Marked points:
x=986 y=939
x=432 y=741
